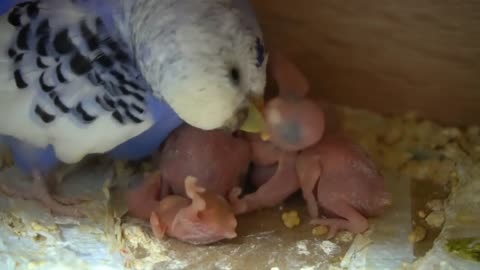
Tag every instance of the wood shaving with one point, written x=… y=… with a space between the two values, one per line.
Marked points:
x=345 y=236
x=330 y=248
x=435 y=205
x=418 y=234
x=435 y=219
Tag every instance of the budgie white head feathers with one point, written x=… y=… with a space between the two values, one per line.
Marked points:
x=210 y=68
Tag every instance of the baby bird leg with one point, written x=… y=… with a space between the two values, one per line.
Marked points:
x=283 y=184
x=63 y=171
x=309 y=170
x=39 y=191
x=355 y=223
x=59 y=177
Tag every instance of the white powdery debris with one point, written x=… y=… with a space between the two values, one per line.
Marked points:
x=302 y=248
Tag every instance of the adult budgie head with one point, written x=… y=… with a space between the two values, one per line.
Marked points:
x=205 y=58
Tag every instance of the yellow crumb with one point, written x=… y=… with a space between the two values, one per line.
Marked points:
x=393 y=135
x=291 y=219
x=396 y=159
x=435 y=219
x=421 y=214
x=40 y=227
x=435 y=170
x=451 y=133
x=417 y=235
x=320 y=230
x=435 y=205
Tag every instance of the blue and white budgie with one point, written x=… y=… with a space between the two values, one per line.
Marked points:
x=79 y=77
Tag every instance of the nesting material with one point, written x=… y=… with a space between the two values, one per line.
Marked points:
x=435 y=219
x=435 y=205
x=407 y=150
x=418 y=234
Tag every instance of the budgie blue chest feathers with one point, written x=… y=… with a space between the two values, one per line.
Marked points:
x=81 y=76
x=29 y=158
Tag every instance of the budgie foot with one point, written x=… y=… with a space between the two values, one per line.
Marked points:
x=69 y=201
x=59 y=176
x=39 y=191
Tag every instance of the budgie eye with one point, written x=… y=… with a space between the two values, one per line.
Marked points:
x=235 y=75
x=260 y=52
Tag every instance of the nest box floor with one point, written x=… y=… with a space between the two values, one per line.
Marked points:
x=431 y=171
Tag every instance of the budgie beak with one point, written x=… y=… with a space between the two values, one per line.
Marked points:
x=255 y=122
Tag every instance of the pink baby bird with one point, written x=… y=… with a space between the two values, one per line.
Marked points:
x=293 y=121
x=338 y=176
x=217 y=159
x=143 y=195
x=333 y=172
x=275 y=177
x=203 y=219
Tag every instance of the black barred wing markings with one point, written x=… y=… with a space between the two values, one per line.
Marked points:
x=77 y=69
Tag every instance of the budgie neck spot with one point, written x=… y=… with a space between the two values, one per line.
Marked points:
x=260 y=48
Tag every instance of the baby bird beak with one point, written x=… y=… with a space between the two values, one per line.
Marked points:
x=255 y=122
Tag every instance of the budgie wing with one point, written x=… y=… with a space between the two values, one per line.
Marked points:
x=67 y=78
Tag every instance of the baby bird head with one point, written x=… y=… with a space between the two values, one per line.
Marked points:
x=209 y=64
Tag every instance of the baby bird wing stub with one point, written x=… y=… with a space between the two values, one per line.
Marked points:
x=192 y=190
